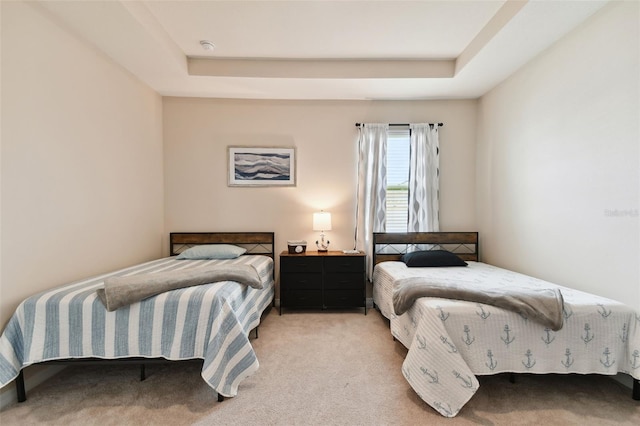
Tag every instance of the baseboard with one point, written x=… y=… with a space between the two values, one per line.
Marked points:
x=39 y=374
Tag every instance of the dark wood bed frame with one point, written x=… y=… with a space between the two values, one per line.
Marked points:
x=391 y=247
x=255 y=242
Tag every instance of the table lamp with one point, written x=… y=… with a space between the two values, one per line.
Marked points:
x=322 y=222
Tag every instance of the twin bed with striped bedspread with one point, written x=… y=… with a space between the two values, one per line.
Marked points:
x=209 y=322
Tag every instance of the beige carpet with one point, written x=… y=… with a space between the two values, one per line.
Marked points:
x=330 y=368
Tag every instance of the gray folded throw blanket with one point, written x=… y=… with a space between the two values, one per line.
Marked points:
x=123 y=291
x=542 y=305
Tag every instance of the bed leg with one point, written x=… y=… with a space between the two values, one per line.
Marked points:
x=256 y=332
x=512 y=378
x=143 y=372
x=220 y=398
x=20 y=389
x=636 y=389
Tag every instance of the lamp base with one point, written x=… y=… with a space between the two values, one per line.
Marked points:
x=323 y=245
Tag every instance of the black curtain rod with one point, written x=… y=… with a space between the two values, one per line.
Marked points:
x=397 y=124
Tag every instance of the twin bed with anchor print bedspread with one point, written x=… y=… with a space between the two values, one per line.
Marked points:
x=450 y=342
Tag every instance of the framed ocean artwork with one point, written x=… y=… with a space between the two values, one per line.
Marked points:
x=262 y=166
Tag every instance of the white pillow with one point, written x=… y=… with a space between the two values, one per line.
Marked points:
x=212 y=251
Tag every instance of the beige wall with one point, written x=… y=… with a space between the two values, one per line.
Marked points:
x=197 y=133
x=559 y=161
x=81 y=160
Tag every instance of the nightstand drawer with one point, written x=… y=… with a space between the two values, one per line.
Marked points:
x=301 y=264
x=335 y=298
x=298 y=281
x=345 y=264
x=344 y=281
x=303 y=298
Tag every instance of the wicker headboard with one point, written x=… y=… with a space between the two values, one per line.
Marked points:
x=254 y=242
x=391 y=246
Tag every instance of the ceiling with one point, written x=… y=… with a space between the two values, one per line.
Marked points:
x=322 y=49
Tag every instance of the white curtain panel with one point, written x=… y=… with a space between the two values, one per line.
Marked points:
x=424 y=180
x=372 y=182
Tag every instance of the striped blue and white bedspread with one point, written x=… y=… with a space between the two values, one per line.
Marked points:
x=450 y=342
x=210 y=322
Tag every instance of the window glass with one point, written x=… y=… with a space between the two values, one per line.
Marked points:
x=398 y=146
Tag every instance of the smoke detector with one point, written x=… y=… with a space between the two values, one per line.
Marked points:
x=207 y=45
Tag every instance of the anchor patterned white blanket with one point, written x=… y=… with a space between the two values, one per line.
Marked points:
x=451 y=341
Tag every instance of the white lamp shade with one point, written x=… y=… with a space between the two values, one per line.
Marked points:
x=322 y=221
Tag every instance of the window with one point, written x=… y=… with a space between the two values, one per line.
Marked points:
x=398 y=147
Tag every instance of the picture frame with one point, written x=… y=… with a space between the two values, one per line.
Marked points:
x=261 y=166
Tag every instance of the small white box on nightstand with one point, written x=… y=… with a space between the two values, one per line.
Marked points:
x=297 y=246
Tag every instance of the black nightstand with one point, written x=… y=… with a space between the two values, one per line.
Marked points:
x=323 y=280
